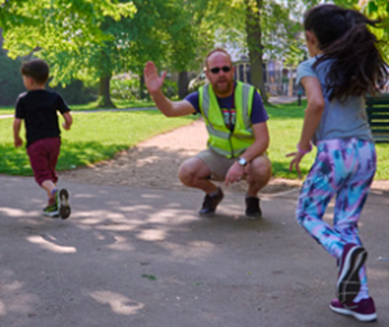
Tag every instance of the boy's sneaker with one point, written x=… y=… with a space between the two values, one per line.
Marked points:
x=62 y=201
x=253 y=210
x=351 y=261
x=51 y=211
x=364 y=310
x=210 y=203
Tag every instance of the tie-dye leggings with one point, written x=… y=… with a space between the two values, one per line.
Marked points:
x=345 y=168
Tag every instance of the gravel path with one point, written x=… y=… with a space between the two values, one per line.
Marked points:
x=155 y=162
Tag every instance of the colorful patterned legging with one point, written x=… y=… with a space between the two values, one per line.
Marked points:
x=344 y=167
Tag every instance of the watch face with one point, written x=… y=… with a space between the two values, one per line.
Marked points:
x=242 y=161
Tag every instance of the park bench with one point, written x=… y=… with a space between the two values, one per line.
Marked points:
x=377 y=108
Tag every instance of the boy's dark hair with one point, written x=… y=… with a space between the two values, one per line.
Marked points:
x=358 y=66
x=37 y=69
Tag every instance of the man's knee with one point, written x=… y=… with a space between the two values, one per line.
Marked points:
x=186 y=172
x=190 y=170
x=260 y=168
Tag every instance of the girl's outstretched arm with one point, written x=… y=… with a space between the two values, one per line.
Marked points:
x=312 y=118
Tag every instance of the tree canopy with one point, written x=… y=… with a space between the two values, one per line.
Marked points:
x=96 y=39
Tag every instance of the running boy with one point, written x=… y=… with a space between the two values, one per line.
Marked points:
x=38 y=108
x=345 y=66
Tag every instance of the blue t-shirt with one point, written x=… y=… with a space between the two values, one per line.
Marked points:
x=258 y=112
x=339 y=119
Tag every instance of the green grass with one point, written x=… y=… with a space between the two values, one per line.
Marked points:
x=285 y=125
x=93 y=137
x=120 y=104
x=98 y=136
x=9 y=110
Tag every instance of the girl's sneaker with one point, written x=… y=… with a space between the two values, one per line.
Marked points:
x=62 y=202
x=51 y=211
x=351 y=261
x=364 y=310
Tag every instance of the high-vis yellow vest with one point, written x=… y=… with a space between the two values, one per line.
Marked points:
x=221 y=139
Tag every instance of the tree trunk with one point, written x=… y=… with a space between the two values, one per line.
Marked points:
x=183 y=82
x=142 y=94
x=104 y=100
x=1 y=38
x=254 y=42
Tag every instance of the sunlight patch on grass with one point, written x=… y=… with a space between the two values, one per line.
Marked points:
x=100 y=135
x=93 y=137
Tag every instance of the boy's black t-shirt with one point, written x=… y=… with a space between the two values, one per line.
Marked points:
x=39 y=108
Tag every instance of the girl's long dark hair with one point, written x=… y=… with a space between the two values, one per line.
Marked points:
x=358 y=67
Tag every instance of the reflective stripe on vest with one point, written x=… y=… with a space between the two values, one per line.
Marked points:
x=221 y=139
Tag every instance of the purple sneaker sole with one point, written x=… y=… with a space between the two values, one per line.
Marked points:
x=364 y=310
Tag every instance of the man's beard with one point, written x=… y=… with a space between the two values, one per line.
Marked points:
x=223 y=89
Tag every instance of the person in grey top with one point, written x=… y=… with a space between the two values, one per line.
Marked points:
x=340 y=119
x=345 y=66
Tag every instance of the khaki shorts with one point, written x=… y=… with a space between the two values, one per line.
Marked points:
x=218 y=164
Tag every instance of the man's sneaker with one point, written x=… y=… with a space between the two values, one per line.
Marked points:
x=351 y=261
x=210 y=203
x=364 y=310
x=253 y=209
x=51 y=211
x=62 y=202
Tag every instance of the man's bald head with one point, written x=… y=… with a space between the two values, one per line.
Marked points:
x=220 y=51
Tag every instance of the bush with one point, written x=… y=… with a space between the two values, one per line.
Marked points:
x=11 y=82
x=127 y=88
x=124 y=88
x=76 y=93
x=11 y=85
x=170 y=88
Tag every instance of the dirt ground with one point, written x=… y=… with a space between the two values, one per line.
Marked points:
x=155 y=162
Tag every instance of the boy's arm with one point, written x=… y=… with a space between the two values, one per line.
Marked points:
x=16 y=130
x=68 y=120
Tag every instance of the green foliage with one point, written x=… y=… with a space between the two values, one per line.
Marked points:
x=279 y=31
x=170 y=88
x=69 y=34
x=76 y=92
x=125 y=88
x=97 y=39
x=11 y=82
x=129 y=88
x=11 y=85
x=61 y=25
x=374 y=9
x=379 y=9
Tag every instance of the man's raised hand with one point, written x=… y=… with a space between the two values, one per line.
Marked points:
x=152 y=80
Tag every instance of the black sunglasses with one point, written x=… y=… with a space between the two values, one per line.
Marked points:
x=216 y=70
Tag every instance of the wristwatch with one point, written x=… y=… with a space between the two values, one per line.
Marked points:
x=242 y=161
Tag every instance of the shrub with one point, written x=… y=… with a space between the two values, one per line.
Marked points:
x=11 y=82
x=124 y=88
x=11 y=85
x=76 y=93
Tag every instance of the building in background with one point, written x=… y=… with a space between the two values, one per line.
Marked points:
x=278 y=79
